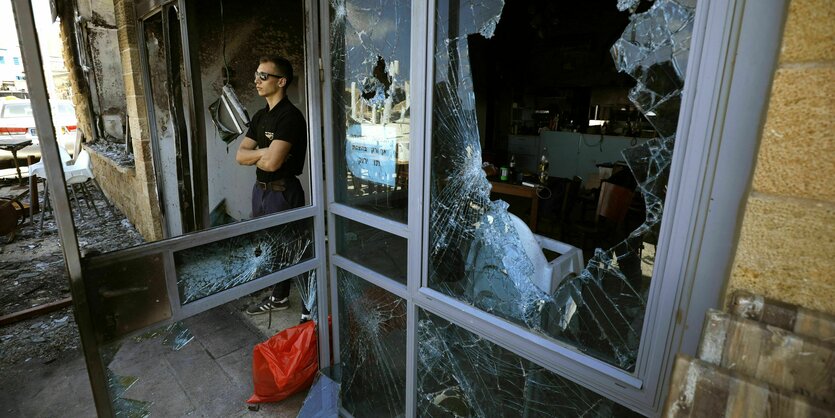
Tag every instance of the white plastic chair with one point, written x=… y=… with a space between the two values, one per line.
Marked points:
x=76 y=173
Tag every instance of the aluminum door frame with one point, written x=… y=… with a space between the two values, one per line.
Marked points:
x=30 y=49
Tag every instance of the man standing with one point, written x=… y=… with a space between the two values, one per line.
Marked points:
x=275 y=144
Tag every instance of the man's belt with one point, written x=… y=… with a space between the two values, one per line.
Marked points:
x=276 y=185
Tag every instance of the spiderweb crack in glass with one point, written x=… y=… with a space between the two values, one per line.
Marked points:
x=211 y=268
x=463 y=375
x=370 y=55
x=372 y=329
x=476 y=254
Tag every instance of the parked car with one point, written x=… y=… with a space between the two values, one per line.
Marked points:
x=17 y=121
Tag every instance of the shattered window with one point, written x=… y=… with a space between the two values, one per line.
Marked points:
x=211 y=268
x=371 y=97
x=484 y=256
x=463 y=375
x=380 y=251
x=372 y=348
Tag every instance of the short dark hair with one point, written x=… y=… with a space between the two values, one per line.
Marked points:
x=282 y=65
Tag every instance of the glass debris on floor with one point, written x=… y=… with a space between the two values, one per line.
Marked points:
x=174 y=336
x=208 y=269
x=372 y=348
x=463 y=375
x=476 y=249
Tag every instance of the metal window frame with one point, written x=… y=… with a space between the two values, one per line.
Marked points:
x=411 y=230
x=33 y=65
x=733 y=54
x=96 y=370
x=152 y=120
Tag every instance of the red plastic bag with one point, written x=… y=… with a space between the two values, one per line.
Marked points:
x=285 y=364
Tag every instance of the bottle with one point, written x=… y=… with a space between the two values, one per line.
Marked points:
x=512 y=164
x=504 y=174
x=543 y=167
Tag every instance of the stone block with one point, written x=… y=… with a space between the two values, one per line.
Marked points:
x=769 y=354
x=126 y=33
x=810 y=31
x=702 y=390
x=123 y=10
x=797 y=153
x=786 y=251
x=137 y=111
x=131 y=64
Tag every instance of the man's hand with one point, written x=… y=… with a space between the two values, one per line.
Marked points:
x=247 y=154
x=273 y=157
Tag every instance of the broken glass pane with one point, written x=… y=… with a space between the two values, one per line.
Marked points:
x=463 y=375
x=371 y=97
x=211 y=268
x=485 y=257
x=372 y=348
x=380 y=251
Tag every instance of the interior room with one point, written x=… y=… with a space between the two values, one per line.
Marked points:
x=550 y=99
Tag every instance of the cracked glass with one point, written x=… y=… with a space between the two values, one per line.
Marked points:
x=371 y=98
x=211 y=268
x=461 y=374
x=484 y=256
x=372 y=348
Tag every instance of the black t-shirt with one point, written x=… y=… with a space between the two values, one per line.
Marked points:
x=284 y=122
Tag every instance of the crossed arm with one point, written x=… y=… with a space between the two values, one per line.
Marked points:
x=267 y=159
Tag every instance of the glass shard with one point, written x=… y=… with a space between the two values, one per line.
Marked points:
x=174 y=336
x=482 y=256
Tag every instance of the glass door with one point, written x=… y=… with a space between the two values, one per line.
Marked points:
x=137 y=306
x=373 y=158
x=449 y=304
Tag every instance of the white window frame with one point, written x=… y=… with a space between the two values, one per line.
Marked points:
x=733 y=55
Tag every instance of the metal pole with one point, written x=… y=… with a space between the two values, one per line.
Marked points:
x=33 y=65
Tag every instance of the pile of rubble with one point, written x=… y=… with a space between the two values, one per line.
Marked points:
x=33 y=274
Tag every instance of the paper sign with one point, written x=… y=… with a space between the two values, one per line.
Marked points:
x=372 y=157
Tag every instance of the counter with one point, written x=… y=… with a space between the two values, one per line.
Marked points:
x=569 y=153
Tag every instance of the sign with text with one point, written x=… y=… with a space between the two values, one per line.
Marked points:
x=372 y=156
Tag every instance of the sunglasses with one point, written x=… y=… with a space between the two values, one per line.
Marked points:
x=264 y=76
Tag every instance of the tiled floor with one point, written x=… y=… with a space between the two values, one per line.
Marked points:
x=210 y=376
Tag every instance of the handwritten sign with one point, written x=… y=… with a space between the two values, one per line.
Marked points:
x=371 y=156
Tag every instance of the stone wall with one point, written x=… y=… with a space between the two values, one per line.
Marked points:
x=121 y=188
x=131 y=189
x=787 y=244
x=80 y=89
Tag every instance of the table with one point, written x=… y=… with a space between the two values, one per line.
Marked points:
x=522 y=191
x=13 y=146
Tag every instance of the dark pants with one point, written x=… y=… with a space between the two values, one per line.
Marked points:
x=265 y=202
